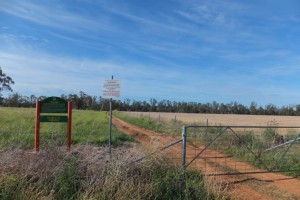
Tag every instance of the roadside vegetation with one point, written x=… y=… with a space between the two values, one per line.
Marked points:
x=85 y=174
x=88 y=171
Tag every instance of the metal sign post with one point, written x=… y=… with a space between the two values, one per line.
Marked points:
x=110 y=124
x=110 y=121
x=111 y=89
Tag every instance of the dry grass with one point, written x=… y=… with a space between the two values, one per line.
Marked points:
x=40 y=172
x=219 y=187
x=88 y=172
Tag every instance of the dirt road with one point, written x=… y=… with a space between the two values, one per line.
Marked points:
x=255 y=186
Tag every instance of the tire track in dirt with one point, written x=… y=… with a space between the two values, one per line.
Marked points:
x=272 y=186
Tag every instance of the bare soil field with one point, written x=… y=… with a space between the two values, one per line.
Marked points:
x=255 y=186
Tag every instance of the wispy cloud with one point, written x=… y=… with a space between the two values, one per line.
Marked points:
x=162 y=34
x=194 y=50
x=35 y=72
x=43 y=74
x=55 y=15
x=212 y=13
x=289 y=69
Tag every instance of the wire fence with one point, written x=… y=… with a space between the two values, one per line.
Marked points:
x=214 y=150
x=56 y=137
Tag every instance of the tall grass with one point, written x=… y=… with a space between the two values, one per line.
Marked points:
x=88 y=127
x=88 y=173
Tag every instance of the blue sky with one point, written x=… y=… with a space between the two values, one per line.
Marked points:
x=202 y=50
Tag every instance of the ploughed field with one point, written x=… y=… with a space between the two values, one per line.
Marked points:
x=223 y=119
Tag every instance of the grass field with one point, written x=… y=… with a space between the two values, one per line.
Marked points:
x=88 y=127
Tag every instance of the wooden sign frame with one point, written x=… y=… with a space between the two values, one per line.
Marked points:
x=52 y=105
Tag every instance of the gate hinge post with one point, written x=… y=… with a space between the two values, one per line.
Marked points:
x=183 y=163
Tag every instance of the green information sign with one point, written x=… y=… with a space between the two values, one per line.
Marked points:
x=54 y=105
x=52 y=118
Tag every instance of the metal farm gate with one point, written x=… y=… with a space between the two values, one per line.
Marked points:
x=232 y=150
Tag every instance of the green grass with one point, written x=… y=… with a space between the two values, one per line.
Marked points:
x=88 y=127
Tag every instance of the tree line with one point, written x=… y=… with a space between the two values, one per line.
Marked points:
x=84 y=101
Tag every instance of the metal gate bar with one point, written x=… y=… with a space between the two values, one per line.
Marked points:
x=291 y=143
x=221 y=133
x=158 y=150
x=257 y=156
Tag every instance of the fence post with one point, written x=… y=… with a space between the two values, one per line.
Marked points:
x=69 y=129
x=37 y=127
x=183 y=161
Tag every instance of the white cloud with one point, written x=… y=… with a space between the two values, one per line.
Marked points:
x=212 y=13
x=40 y=73
x=195 y=50
x=53 y=14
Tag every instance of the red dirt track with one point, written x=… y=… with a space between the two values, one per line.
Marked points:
x=254 y=186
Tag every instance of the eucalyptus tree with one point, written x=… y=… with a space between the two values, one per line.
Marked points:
x=5 y=81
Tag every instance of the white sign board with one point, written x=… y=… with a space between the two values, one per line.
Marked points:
x=111 y=89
